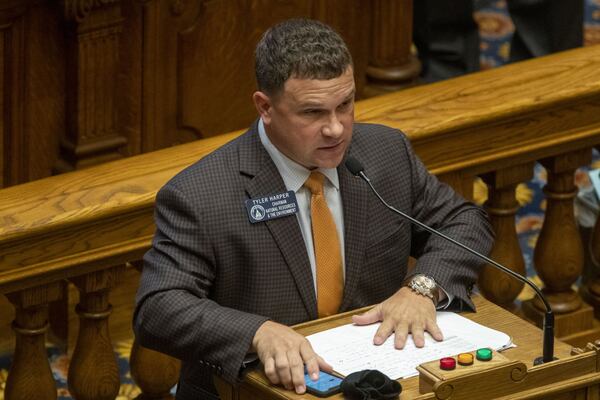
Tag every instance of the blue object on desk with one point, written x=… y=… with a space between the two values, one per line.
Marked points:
x=325 y=386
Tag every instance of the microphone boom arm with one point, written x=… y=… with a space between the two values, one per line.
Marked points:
x=548 y=326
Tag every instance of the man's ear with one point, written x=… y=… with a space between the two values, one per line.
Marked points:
x=264 y=106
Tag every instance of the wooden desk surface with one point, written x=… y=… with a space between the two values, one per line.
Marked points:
x=526 y=336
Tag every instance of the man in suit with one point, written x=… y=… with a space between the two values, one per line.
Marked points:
x=272 y=230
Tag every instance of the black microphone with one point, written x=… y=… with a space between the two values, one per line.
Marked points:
x=356 y=168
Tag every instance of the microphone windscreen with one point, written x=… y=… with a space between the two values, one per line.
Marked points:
x=354 y=166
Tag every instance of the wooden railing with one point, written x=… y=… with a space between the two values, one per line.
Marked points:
x=84 y=227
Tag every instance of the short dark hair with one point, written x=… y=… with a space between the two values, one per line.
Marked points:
x=301 y=48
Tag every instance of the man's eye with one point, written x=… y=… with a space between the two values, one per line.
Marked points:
x=312 y=111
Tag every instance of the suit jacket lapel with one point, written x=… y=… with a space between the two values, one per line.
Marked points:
x=355 y=199
x=265 y=179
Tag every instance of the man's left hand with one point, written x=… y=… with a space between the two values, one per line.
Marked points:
x=403 y=313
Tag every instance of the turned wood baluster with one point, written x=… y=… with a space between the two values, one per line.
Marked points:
x=558 y=253
x=502 y=206
x=30 y=376
x=391 y=64
x=155 y=373
x=93 y=372
x=591 y=289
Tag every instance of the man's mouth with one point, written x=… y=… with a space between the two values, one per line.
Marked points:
x=331 y=146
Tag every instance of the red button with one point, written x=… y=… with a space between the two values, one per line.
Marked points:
x=447 y=363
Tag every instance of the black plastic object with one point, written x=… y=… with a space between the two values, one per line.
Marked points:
x=370 y=385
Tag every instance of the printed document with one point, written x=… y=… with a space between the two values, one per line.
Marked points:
x=349 y=348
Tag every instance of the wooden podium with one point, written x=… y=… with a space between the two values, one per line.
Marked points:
x=575 y=375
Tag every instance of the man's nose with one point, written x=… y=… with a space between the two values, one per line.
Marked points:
x=334 y=127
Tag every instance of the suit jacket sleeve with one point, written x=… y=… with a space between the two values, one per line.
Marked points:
x=174 y=314
x=437 y=205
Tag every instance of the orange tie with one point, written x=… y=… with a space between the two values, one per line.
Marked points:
x=328 y=257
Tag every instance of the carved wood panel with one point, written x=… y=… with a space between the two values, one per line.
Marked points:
x=3 y=104
x=129 y=77
x=32 y=89
x=86 y=81
x=93 y=34
x=199 y=63
x=12 y=60
x=45 y=86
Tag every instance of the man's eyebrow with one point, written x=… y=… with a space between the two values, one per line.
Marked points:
x=316 y=104
x=311 y=104
x=351 y=95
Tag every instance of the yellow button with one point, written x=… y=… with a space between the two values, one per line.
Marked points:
x=465 y=359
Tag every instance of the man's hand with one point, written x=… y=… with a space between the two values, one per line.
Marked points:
x=284 y=352
x=404 y=312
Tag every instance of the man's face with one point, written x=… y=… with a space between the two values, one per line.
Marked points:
x=310 y=120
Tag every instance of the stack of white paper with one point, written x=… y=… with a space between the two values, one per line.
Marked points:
x=350 y=348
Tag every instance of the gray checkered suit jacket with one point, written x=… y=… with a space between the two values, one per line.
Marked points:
x=212 y=278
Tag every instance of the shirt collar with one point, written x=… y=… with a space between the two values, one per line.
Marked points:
x=294 y=175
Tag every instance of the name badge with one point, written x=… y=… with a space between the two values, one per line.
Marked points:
x=272 y=206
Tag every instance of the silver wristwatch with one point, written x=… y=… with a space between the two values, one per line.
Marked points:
x=425 y=286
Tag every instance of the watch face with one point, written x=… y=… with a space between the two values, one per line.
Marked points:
x=425 y=282
x=425 y=286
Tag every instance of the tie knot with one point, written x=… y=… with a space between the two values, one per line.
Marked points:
x=314 y=183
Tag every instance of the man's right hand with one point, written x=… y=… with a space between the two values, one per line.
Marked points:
x=284 y=353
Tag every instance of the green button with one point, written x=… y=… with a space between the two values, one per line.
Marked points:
x=484 y=354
